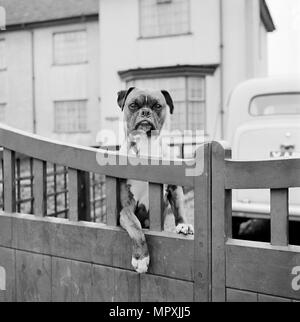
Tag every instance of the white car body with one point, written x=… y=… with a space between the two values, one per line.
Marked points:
x=260 y=129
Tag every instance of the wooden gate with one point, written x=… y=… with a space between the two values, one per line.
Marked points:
x=71 y=259
x=245 y=270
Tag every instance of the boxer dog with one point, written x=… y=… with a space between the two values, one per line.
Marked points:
x=145 y=113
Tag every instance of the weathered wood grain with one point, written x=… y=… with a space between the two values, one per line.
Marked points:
x=6 y=225
x=40 y=187
x=115 y=285
x=202 y=223
x=221 y=221
x=156 y=206
x=240 y=296
x=159 y=289
x=268 y=298
x=103 y=245
x=273 y=174
x=112 y=201
x=71 y=281
x=262 y=268
x=33 y=277
x=7 y=262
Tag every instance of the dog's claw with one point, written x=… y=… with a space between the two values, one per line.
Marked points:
x=185 y=229
x=140 y=265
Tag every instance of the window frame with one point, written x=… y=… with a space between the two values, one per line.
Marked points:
x=54 y=63
x=184 y=33
x=70 y=132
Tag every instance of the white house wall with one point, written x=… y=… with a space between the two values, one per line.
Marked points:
x=66 y=82
x=16 y=80
x=121 y=48
x=245 y=48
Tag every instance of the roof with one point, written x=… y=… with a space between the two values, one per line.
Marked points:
x=22 y=12
x=266 y=16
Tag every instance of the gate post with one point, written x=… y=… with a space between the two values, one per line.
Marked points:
x=202 y=225
x=221 y=227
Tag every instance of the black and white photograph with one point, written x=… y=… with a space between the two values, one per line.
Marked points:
x=149 y=153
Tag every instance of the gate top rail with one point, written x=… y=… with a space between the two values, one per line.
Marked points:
x=87 y=159
x=270 y=174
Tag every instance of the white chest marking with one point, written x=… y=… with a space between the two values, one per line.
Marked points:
x=140 y=189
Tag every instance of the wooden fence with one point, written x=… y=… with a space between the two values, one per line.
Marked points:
x=70 y=259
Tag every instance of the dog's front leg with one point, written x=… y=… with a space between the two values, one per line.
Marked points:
x=176 y=198
x=129 y=221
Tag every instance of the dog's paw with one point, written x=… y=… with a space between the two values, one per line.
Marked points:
x=185 y=229
x=246 y=228
x=141 y=265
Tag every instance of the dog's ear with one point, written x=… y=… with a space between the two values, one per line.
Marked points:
x=169 y=100
x=122 y=95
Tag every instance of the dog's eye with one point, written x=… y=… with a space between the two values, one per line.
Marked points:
x=132 y=106
x=158 y=107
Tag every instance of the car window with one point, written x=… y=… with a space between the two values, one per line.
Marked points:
x=277 y=104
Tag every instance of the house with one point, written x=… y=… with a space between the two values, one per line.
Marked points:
x=49 y=68
x=199 y=50
x=61 y=66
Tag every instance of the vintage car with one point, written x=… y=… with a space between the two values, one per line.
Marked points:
x=264 y=123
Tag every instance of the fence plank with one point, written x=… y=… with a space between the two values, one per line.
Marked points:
x=262 y=268
x=9 y=161
x=73 y=195
x=156 y=206
x=268 y=298
x=153 y=289
x=40 y=187
x=279 y=217
x=171 y=254
x=112 y=201
x=240 y=296
x=270 y=174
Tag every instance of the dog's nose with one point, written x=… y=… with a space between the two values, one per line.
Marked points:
x=145 y=113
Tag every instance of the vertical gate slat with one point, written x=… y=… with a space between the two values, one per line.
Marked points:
x=279 y=217
x=73 y=195
x=112 y=197
x=156 y=205
x=39 y=187
x=9 y=161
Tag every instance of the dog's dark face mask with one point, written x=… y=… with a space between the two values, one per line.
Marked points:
x=144 y=110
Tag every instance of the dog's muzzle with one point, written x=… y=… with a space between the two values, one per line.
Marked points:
x=145 y=125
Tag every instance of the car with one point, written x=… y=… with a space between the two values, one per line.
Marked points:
x=264 y=123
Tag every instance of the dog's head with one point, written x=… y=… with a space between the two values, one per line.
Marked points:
x=145 y=110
